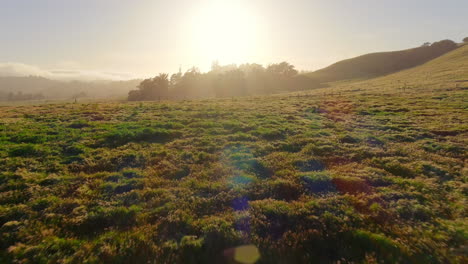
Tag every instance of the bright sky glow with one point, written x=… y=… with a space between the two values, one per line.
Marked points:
x=140 y=38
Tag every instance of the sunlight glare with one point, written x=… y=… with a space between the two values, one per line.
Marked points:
x=225 y=31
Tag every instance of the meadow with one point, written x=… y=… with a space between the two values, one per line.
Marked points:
x=340 y=175
x=233 y=132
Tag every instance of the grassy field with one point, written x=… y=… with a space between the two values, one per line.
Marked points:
x=349 y=174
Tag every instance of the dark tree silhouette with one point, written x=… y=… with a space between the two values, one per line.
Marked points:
x=231 y=83
x=282 y=69
x=223 y=81
x=465 y=40
x=151 y=89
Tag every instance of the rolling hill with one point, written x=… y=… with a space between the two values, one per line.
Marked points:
x=382 y=63
x=449 y=71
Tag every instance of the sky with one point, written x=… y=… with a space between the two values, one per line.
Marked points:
x=124 y=39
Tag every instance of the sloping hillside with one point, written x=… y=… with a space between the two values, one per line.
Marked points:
x=447 y=71
x=382 y=63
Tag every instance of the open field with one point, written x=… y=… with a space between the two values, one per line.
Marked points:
x=233 y=132
x=359 y=172
x=355 y=177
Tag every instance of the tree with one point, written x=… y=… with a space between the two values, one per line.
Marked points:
x=134 y=95
x=175 y=78
x=162 y=84
x=465 y=40
x=283 y=69
x=230 y=83
x=255 y=78
x=151 y=89
x=444 y=44
x=222 y=81
x=426 y=44
x=186 y=85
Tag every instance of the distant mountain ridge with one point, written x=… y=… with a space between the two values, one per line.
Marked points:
x=382 y=63
x=55 y=89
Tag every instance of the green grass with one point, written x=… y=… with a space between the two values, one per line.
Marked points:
x=361 y=175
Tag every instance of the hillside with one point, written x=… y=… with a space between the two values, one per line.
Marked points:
x=448 y=70
x=382 y=63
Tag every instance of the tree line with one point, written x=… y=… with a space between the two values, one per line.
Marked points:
x=223 y=81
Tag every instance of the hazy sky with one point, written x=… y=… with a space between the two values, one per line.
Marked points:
x=126 y=38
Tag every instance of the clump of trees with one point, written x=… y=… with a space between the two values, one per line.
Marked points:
x=465 y=40
x=223 y=81
x=151 y=89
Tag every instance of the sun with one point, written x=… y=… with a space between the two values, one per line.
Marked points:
x=226 y=31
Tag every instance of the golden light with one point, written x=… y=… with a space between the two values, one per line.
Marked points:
x=247 y=254
x=227 y=31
